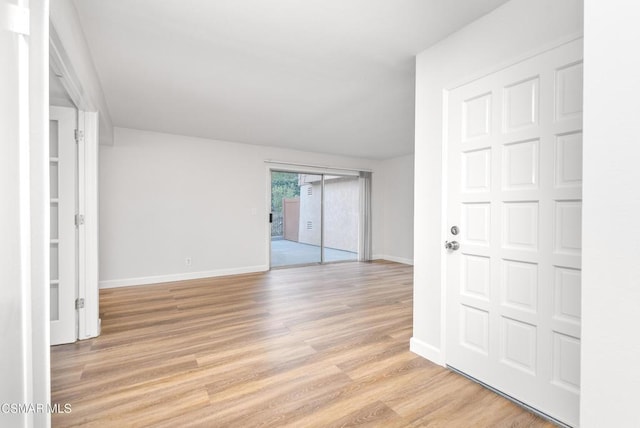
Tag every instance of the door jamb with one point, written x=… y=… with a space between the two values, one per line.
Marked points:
x=88 y=318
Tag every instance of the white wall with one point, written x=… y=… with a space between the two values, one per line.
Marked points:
x=507 y=33
x=165 y=197
x=611 y=216
x=397 y=187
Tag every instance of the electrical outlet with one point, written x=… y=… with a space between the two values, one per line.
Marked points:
x=187 y=261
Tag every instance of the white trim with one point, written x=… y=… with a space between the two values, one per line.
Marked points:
x=326 y=169
x=403 y=260
x=128 y=282
x=81 y=247
x=430 y=352
x=14 y=18
x=25 y=189
x=61 y=66
x=40 y=206
x=281 y=167
x=88 y=238
x=444 y=226
x=268 y=212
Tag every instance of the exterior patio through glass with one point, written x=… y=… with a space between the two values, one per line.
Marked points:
x=315 y=218
x=286 y=253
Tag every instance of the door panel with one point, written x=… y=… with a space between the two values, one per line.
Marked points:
x=514 y=176
x=63 y=244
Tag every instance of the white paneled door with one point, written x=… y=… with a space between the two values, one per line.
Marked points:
x=63 y=191
x=514 y=180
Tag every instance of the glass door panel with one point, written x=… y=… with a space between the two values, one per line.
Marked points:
x=296 y=210
x=341 y=218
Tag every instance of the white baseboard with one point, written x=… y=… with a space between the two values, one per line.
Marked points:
x=427 y=351
x=128 y=282
x=394 y=259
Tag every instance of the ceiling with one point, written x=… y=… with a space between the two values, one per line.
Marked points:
x=330 y=76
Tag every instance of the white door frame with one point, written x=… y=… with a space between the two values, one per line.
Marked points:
x=88 y=317
x=88 y=150
x=444 y=189
x=24 y=360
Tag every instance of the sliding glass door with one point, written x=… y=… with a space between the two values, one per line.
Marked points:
x=314 y=218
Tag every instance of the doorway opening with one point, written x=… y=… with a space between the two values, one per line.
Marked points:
x=315 y=218
x=73 y=203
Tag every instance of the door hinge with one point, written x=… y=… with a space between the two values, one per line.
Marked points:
x=78 y=135
x=80 y=303
x=79 y=220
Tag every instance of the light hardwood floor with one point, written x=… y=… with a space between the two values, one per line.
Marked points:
x=322 y=346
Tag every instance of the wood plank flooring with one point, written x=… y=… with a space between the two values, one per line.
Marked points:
x=319 y=346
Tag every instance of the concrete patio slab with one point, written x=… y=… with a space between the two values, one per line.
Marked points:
x=289 y=253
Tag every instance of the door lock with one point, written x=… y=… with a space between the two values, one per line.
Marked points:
x=452 y=245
